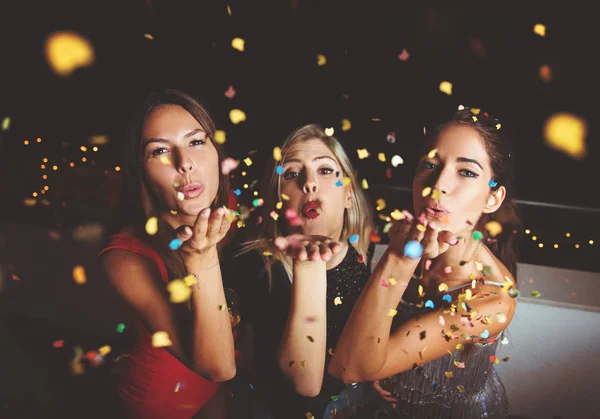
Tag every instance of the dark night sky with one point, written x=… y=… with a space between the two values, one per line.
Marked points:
x=280 y=86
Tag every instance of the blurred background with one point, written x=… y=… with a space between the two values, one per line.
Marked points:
x=377 y=74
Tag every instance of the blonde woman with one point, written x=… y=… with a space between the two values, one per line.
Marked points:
x=314 y=241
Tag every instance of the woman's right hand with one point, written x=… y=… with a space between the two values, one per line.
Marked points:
x=208 y=230
x=409 y=229
x=385 y=395
x=308 y=248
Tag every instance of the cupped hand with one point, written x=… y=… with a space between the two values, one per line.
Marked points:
x=308 y=248
x=209 y=229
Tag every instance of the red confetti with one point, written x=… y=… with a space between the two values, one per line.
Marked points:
x=374 y=238
x=58 y=343
x=230 y=93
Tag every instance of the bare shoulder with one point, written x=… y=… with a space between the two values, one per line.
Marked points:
x=127 y=270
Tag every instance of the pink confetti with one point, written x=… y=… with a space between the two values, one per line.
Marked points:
x=427 y=264
x=448 y=269
x=384 y=283
x=228 y=164
x=295 y=221
x=404 y=55
x=290 y=213
x=230 y=92
x=442 y=321
x=459 y=364
x=422 y=218
x=15 y=277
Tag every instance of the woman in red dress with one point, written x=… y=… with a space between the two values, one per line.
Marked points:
x=173 y=219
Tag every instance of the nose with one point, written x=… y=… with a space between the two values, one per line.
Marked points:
x=183 y=161
x=443 y=182
x=310 y=184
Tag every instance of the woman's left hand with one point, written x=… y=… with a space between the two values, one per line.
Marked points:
x=385 y=395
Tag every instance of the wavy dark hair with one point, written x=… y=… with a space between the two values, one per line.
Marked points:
x=498 y=145
x=137 y=201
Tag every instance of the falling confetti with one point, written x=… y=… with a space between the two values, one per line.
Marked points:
x=354 y=238
x=220 y=136
x=228 y=165
x=392 y=312
x=539 y=29
x=485 y=334
x=67 y=51
x=362 y=153
x=5 y=124
x=381 y=157
x=230 y=92
x=175 y=244
x=443 y=287
x=79 y=275
x=346 y=125
x=535 y=294
x=236 y=116
x=58 y=343
x=566 y=133
x=337 y=301
x=413 y=249
x=449 y=374
x=179 y=291
x=391 y=137
x=152 y=226
x=165 y=160
x=493 y=228
x=160 y=339
x=546 y=73
x=404 y=55
x=148 y=36
x=364 y=184
x=397 y=160
x=120 y=327
x=277 y=154
x=329 y=131
x=248 y=161
x=321 y=60
x=446 y=87
x=180 y=196
x=238 y=43
x=426 y=191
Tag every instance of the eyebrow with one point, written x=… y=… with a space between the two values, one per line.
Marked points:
x=293 y=160
x=162 y=140
x=467 y=160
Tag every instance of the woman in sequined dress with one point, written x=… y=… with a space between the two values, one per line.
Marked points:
x=309 y=267
x=441 y=297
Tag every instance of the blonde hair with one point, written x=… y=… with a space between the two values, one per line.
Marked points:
x=358 y=219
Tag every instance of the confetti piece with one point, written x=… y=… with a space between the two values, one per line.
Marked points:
x=190 y=280
x=477 y=235
x=384 y=283
x=152 y=226
x=397 y=160
x=309 y=415
x=175 y=244
x=429 y=304
x=363 y=153
x=337 y=301
x=392 y=312
x=459 y=364
x=413 y=249
x=446 y=87
x=535 y=294
x=228 y=165
x=420 y=289
x=248 y=161
x=501 y=317
x=67 y=51
x=432 y=153
x=160 y=339
x=514 y=293
x=179 y=291
x=274 y=215
x=460 y=388
x=285 y=197
x=79 y=275
x=230 y=92
x=504 y=340
x=539 y=29
x=380 y=204
x=346 y=181
x=236 y=116
x=104 y=350
x=120 y=327
x=397 y=215
x=478 y=266
x=449 y=374
x=492 y=183
x=330 y=351
x=220 y=136
x=404 y=55
x=148 y=36
x=177 y=387
x=58 y=343
x=498 y=126
x=494 y=359
x=279 y=170
x=310 y=338
x=365 y=184
x=237 y=192
x=448 y=269
x=426 y=191
x=180 y=196
x=346 y=125
x=329 y=131
x=436 y=195
x=392 y=281
x=391 y=137
x=321 y=60
x=5 y=124
x=222 y=307
x=485 y=334
x=277 y=154
x=493 y=228
x=238 y=43
x=460 y=346
x=546 y=73
x=339 y=183
x=566 y=133
x=354 y=238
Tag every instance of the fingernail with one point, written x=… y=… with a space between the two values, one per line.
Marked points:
x=206 y=213
x=432 y=225
x=187 y=231
x=220 y=211
x=454 y=242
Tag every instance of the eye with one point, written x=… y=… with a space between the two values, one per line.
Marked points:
x=290 y=174
x=198 y=141
x=158 y=151
x=427 y=165
x=468 y=173
x=326 y=171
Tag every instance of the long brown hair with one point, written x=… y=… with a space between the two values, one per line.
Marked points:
x=498 y=146
x=137 y=202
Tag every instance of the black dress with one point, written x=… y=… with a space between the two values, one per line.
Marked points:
x=267 y=313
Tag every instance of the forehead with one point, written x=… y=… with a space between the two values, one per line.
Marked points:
x=309 y=149
x=461 y=141
x=169 y=121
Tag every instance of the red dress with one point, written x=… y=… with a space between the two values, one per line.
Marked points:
x=153 y=383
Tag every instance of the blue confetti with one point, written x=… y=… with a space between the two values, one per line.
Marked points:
x=279 y=170
x=175 y=244
x=353 y=238
x=429 y=304
x=493 y=183
x=339 y=183
x=434 y=385
x=447 y=298
x=485 y=334
x=237 y=192
x=413 y=249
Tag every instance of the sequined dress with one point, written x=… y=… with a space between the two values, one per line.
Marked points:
x=267 y=313
x=474 y=391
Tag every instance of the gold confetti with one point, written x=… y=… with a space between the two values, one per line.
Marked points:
x=79 y=275
x=337 y=301
x=321 y=60
x=380 y=204
x=468 y=294
x=309 y=415
x=392 y=281
x=381 y=157
x=446 y=87
x=238 y=43
x=363 y=153
x=421 y=228
x=539 y=29
x=566 y=133
x=365 y=184
x=460 y=346
x=435 y=195
x=222 y=307
x=392 y=312
x=546 y=73
x=173 y=212
x=432 y=153
x=443 y=287
x=478 y=266
x=104 y=350
x=493 y=228
x=346 y=181
x=346 y=125
x=180 y=196
x=475 y=111
x=449 y=374
x=330 y=351
x=285 y=197
x=5 y=124
x=277 y=154
x=426 y=191
x=67 y=51
x=161 y=339
x=179 y=291
x=248 y=161
x=165 y=160
x=420 y=290
x=228 y=10
x=190 y=280
x=267 y=253
x=220 y=136
x=461 y=388
x=148 y=36
x=329 y=131
x=396 y=161
x=236 y=116
x=279 y=205
x=397 y=215
x=498 y=126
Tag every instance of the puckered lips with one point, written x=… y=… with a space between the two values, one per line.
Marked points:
x=311 y=210
x=435 y=210
x=191 y=190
